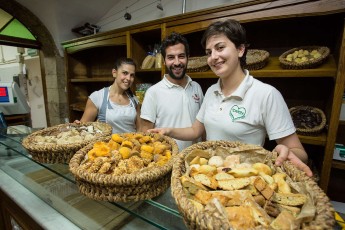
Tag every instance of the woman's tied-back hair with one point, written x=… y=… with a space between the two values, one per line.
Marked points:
x=124 y=60
x=174 y=39
x=128 y=61
x=233 y=30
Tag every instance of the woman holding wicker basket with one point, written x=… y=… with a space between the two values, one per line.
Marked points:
x=239 y=107
x=116 y=104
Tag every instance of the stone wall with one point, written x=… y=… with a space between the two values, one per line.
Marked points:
x=52 y=64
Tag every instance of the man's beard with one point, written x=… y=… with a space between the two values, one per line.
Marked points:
x=173 y=76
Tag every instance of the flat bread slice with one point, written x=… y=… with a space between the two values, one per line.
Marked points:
x=233 y=184
x=291 y=199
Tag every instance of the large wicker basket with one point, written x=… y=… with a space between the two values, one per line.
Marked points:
x=141 y=185
x=324 y=51
x=300 y=119
x=197 y=64
x=61 y=153
x=195 y=219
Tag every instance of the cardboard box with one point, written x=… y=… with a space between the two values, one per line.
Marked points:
x=339 y=152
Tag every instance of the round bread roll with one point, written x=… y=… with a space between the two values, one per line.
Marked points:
x=216 y=161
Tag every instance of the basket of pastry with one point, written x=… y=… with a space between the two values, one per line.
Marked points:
x=231 y=185
x=256 y=59
x=197 y=64
x=125 y=167
x=305 y=57
x=308 y=120
x=57 y=144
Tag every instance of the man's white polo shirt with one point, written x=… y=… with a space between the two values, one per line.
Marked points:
x=252 y=111
x=170 y=105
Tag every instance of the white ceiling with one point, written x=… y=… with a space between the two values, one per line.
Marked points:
x=60 y=16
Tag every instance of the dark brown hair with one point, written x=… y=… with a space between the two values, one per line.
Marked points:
x=124 y=60
x=174 y=39
x=233 y=30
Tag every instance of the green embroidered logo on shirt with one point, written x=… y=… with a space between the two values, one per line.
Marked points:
x=237 y=112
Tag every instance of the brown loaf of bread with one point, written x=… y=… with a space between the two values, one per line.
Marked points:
x=148 y=62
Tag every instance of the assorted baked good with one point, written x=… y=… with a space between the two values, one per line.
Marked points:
x=126 y=154
x=304 y=57
x=308 y=120
x=69 y=134
x=230 y=185
x=57 y=144
x=124 y=167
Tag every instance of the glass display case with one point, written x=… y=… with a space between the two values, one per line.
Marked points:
x=55 y=186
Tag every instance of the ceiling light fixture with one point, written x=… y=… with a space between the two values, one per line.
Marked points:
x=159 y=5
x=127 y=15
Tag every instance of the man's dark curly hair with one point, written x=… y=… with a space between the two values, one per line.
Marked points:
x=174 y=39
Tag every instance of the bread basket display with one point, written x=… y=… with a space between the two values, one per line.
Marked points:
x=308 y=120
x=256 y=59
x=305 y=57
x=57 y=144
x=231 y=185
x=197 y=64
x=125 y=167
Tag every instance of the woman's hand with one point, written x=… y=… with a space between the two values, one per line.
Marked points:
x=286 y=154
x=162 y=131
x=77 y=122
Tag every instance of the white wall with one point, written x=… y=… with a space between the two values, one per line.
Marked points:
x=10 y=67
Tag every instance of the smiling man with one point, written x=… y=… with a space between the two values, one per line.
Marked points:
x=176 y=99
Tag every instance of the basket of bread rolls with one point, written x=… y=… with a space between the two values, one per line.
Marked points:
x=232 y=185
x=125 y=167
x=304 y=57
x=57 y=144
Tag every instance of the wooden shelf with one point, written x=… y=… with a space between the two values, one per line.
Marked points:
x=148 y=70
x=314 y=140
x=273 y=69
x=93 y=79
x=338 y=164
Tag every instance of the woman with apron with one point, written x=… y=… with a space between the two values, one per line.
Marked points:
x=116 y=104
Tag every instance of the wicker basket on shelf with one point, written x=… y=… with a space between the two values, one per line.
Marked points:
x=200 y=212
x=122 y=182
x=308 y=120
x=57 y=144
x=197 y=64
x=256 y=59
x=312 y=56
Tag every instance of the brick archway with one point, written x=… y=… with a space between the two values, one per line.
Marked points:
x=52 y=64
